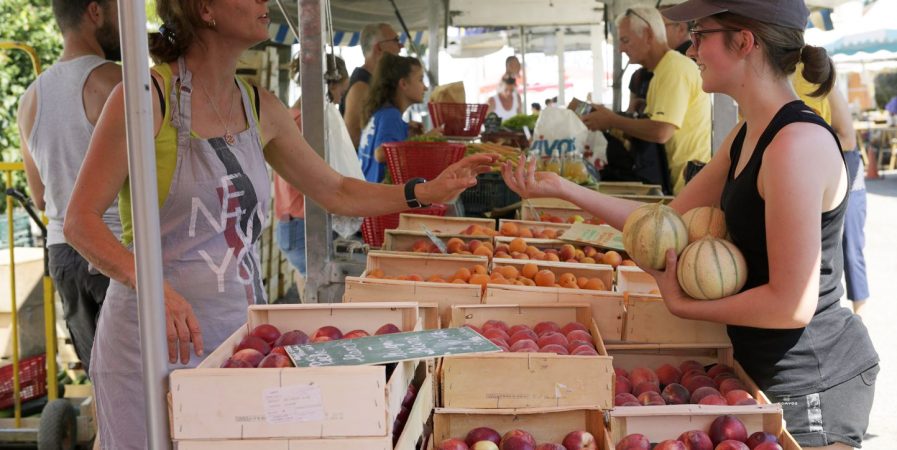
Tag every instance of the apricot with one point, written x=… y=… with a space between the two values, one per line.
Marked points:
x=435 y=279
x=596 y=284
x=529 y=270
x=566 y=277
x=527 y=281
x=518 y=255
x=479 y=278
x=544 y=278
x=415 y=277
x=420 y=246
x=582 y=282
x=517 y=245
x=503 y=248
x=587 y=260
x=540 y=256
x=612 y=258
x=628 y=262
x=502 y=254
x=510 y=272
x=508 y=229
x=552 y=257
x=531 y=251
x=455 y=245
x=525 y=233
x=548 y=233
x=473 y=245
x=375 y=273
x=566 y=252
x=480 y=269
x=462 y=274
x=459 y=281
x=569 y=284
x=579 y=255
x=482 y=250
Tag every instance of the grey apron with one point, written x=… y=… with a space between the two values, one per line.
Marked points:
x=210 y=223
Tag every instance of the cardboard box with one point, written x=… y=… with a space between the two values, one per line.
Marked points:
x=209 y=403
x=439 y=224
x=545 y=424
x=649 y=321
x=659 y=423
x=527 y=380
x=365 y=289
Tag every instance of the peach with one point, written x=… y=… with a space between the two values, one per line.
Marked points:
x=327 y=333
x=698 y=381
x=696 y=440
x=731 y=444
x=580 y=440
x=524 y=345
x=257 y=343
x=267 y=332
x=647 y=386
x=567 y=251
x=519 y=255
x=595 y=284
x=502 y=254
x=552 y=337
x=355 y=334
x=279 y=350
x=482 y=434
x=520 y=435
x=746 y=401
x=718 y=369
x=495 y=324
x=554 y=348
x=249 y=356
x=727 y=427
x=736 y=395
x=548 y=233
x=578 y=335
x=550 y=446
x=452 y=444
x=667 y=374
x=634 y=442
x=724 y=376
x=294 y=337
x=473 y=245
x=702 y=392
x=675 y=394
x=768 y=446
x=546 y=326
x=731 y=384
x=670 y=444
x=626 y=399
x=691 y=374
x=623 y=385
x=759 y=438
x=651 y=398
x=496 y=333
x=508 y=229
x=642 y=374
x=612 y=258
x=519 y=327
x=276 y=360
x=573 y=345
x=387 y=329
x=713 y=399
x=571 y=326
x=231 y=363
x=584 y=350
x=552 y=257
x=523 y=334
x=621 y=371
x=690 y=364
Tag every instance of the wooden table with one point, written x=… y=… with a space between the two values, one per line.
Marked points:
x=881 y=137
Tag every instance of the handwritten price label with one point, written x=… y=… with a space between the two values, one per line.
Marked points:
x=603 y=236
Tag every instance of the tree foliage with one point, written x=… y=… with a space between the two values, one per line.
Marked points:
x=28 y=22
x=885 y=87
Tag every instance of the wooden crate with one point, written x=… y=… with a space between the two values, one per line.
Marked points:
x=544 y=244
x=649 y=321
x=659 y=423
x=363 y=289
x=437 y=224
x=535 y=225
x=545 y=424
x=634 y=280
x=416 y=427
x=527 y=380
x=404 y=240
x=212 y=403
x=607 y=307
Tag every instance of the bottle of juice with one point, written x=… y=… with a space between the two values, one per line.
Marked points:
x=575 y=167
x=554 y=163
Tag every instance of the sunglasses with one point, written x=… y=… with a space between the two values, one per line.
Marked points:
x=630 y=12
x=697 y=35
x=395 y=39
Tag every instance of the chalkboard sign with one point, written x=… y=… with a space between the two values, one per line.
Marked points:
x=604 y=236
x=390 y=348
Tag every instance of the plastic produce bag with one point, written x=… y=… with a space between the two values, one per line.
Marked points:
x=343 y=159
x=559 y=131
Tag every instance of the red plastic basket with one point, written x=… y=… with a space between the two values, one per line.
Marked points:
x=373 y=229
x=459 y=119
x=407 y=160
x=32 y=380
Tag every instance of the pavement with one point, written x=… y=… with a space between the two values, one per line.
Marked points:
x=880 y=313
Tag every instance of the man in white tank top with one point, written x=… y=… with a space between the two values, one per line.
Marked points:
x=506 y=103
x=56 y=119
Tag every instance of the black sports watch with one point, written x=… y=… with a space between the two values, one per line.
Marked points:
x=410 y=198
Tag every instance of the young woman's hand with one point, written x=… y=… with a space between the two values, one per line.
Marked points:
x=529 y=183
x=668 y=284
x=181 y=327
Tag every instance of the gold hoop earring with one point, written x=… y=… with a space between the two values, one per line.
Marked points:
x=211 y=23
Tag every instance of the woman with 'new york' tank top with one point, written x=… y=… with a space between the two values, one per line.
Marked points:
x=214 y=135
x=782 y=182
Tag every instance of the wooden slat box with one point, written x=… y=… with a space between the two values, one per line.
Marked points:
x=364 y=289
x=545 y=424
x=534 y=225
x=634 y=280
x=649 y=321
x=213 y=403
x=544 y=244
x=659 y=423
x=438 y=224
x=527 y=380
x=607 y=307
x=404 y=240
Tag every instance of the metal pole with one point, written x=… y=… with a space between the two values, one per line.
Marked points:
x=433 y=41
x=523 y=65
x=318 y=237
x=597 y=43
x=559 y=40
x=145 y=211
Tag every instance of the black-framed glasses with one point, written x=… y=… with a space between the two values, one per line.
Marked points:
x=632 y=12
x=393 y=39
x=697 y=35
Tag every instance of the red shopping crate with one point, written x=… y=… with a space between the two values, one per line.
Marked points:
x=459 y=119
x=32 y=380
x=407 y=160
x=373 y=229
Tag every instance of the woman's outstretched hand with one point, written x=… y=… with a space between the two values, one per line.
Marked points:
x=455 y=179
x=528 y=183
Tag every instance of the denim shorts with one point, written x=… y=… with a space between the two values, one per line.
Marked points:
x=291 y=240
x=840 y=414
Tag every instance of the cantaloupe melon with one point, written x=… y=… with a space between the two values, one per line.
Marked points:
x=711 y=268
x=649 y=231
x=705 y=221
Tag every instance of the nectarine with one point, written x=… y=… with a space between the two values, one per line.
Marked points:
x=267 y=332
x=482 y=434
x=727 y=427
x=253 y=342
x=580 y=440
x=294 y=337
x=327 y=333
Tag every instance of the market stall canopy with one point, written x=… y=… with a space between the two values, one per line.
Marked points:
x=868 y=42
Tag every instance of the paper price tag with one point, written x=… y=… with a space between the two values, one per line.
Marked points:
x=603 y=236
x=435 y=239
x=290 y=404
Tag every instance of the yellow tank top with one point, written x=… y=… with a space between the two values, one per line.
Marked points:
x=804 y=88
x=166 y=143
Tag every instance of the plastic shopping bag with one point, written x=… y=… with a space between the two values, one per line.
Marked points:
x=559 y=131
x=343 y=159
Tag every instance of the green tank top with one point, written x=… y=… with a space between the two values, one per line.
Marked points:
x=166 y=143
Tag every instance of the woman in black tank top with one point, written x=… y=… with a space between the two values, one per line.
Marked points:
x=782 y=183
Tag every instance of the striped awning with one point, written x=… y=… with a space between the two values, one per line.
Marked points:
x=281 y=34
